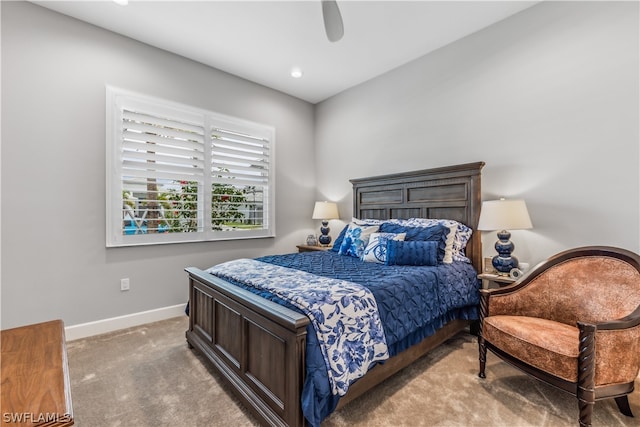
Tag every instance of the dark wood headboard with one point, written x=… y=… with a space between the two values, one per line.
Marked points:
x=451 y=192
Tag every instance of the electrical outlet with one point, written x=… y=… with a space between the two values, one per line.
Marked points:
x=124 y=284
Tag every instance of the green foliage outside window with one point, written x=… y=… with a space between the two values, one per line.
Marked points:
x=225 y=204
x=181 y=207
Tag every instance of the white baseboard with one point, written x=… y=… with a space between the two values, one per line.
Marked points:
x=98 y=327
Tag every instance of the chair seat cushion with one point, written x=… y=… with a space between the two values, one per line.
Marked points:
x=544 y=344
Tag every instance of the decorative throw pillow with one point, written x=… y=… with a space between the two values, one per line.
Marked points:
x=339 y=239
x=462 y=236
x=437 y=233
x=414 y=252
x=361 y=222
x=356 y=239
x=376 y=250
x=448 y=249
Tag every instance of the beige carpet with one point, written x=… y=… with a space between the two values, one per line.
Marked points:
x=146 y=376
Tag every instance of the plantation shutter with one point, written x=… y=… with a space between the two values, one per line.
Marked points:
x=239 y=166
x=181 y=174
x=161 y=154
x=244 y=159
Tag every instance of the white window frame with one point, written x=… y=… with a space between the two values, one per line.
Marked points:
x=116 y=101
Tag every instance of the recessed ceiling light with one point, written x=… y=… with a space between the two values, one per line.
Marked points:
x=296 y=73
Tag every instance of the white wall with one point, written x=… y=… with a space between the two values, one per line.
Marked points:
x=54 y=260
x=547 y=98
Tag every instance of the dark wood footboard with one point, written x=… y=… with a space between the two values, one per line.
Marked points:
x=257 y=346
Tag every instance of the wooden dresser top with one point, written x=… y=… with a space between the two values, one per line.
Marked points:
x=35 y=379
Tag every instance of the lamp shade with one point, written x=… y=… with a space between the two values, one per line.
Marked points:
x=504 y=215
x=325 y=210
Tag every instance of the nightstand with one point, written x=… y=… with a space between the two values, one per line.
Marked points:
x=307 y=248
x=490 y=280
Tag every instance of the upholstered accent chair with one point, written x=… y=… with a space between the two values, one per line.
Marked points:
x=572 y=322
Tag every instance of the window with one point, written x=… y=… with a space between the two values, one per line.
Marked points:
x=180 y=174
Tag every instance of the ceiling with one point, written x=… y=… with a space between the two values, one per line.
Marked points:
x=262 y=41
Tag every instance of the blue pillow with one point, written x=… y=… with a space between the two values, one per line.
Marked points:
x=415 y=252
x=436 y=233
x=356 y=239
x=338 y=241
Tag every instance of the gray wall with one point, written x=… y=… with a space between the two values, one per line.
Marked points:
x=54 y=260
x=547 y=98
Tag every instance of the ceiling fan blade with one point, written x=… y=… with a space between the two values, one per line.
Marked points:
x=332 y=20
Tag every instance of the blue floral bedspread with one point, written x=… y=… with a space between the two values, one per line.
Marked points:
x=413 y=303
x=344 y=315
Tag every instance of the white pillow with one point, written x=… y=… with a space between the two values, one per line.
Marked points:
x=448 y=250
x=376 y=250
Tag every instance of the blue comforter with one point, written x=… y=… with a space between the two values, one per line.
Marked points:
x=413 y=303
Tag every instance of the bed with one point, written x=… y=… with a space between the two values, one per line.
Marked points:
x=263 y=347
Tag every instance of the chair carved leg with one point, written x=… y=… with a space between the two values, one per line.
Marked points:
x=623 y=405
x=482 y=349
x=482 y=346
x=586 y=409
x=586 y=373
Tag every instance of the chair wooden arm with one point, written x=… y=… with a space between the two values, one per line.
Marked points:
x=612 y=338
x=626 y=322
